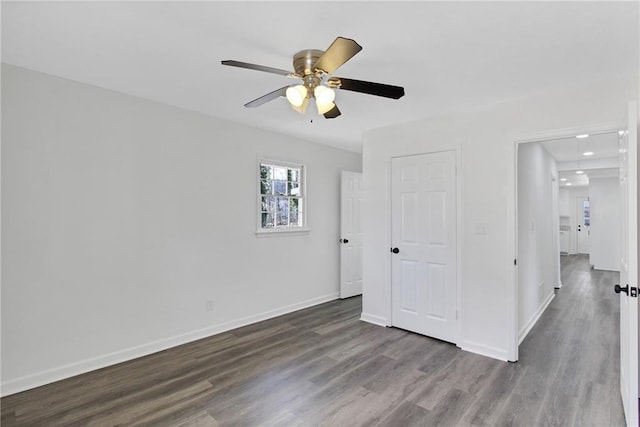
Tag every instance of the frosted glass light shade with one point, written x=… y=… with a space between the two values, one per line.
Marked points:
x=324 y=97
x=324 y=108
x=296 y=95
x=301 y=108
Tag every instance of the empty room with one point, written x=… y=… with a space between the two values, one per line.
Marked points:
x=319 y=213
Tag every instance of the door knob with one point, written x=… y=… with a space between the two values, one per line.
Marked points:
x=395 y=250
x=618 y=289
x=344 y=240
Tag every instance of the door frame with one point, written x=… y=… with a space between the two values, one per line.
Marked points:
x=456 y=150
x=513 y=291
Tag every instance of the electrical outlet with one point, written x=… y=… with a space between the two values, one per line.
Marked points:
x=209 y=305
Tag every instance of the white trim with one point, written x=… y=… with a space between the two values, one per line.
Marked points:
x=59 y=373
x=373 y=319
x=281 y=232
x=512 y=230
x=534 y=319
x=484 y=350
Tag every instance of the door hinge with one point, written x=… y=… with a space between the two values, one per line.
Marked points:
x=515 y=261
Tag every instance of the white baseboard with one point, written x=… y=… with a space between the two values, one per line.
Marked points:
x=534 y=319
x=376 y=320
x=80 y=367
x=484 y=350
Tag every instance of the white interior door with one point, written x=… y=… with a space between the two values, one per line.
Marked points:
x=629 y=268
x=423 y=232
x=351 y=235
x=583 y=223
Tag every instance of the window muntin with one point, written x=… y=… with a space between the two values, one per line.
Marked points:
x=281 y=196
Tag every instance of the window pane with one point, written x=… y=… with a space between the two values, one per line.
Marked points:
x=280 y=173
x=283 y=204
x=586 y=215
x=265 y=172
x=294 y=189
x=282 y=220
x=266 y=187
x=294 y=175
x=293 y=218
x=268 y=204
x=267 y=220
x=280 y=187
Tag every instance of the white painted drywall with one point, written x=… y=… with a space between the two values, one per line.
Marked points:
x=604 y=198
x=484 y=139
x=563 y=201
x=122 y=216
x=538 y=251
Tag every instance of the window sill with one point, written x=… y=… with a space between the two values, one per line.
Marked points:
x=283 y=232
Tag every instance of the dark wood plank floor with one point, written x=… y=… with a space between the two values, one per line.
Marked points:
x=322 y=366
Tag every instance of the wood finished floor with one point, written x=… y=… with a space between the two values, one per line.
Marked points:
x=322 y=366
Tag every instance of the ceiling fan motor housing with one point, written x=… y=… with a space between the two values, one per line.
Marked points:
x=303 y=63
x=304 y=60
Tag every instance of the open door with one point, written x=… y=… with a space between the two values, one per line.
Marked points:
x=628 y=287
x=351 y=235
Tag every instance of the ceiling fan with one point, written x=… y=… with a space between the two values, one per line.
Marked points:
x=314 y=68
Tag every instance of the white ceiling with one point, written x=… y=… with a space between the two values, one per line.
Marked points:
x=569 y=155
x=603 y=145
x=449 y=56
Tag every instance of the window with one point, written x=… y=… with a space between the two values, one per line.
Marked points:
x=586 y=214
x=281 y=197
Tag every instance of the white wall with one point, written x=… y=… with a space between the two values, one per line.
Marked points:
x=484 y=139
x=122 y=216
x=568 y=196
x=604 y=198
x=538 y=251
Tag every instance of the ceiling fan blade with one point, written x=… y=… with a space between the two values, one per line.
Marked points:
x=268 y=97
x=333 y=113
x=371 y=88
x=259 y=68
x=340 y=51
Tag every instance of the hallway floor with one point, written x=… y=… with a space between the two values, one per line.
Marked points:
x=572 y=355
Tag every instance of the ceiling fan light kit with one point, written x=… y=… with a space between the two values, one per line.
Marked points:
x=314 y=68
x=296 y=95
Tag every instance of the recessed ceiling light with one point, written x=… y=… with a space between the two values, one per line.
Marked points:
x=579 y=172
x=588 y=153
x=563 y=179
x=568 y=183
x=584 y=135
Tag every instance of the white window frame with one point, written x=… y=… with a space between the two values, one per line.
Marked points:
x=304 y=199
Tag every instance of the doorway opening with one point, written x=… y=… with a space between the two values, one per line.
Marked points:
x=567 y=203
